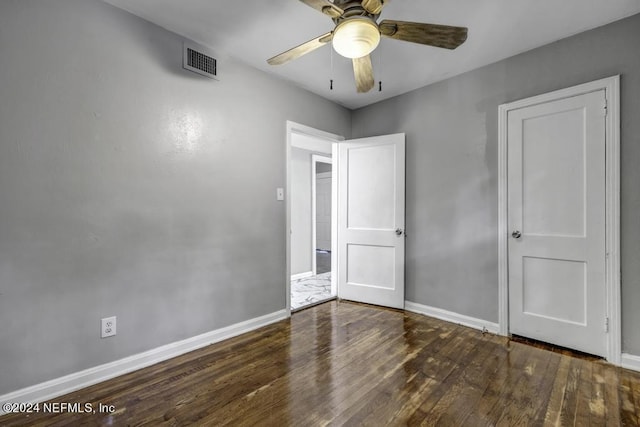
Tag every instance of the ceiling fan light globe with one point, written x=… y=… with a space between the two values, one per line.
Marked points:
x=356 y=37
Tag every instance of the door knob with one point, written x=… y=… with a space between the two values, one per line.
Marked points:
x=399 y=231
x=516 y=234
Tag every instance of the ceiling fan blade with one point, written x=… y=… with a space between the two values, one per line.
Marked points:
x=363 y=71
x=373 y=6
x=443 y=36
x=300 y=50
x=324 y=6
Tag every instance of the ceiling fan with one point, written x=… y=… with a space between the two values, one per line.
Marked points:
x=357 y=34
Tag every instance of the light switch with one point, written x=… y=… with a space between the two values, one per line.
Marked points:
x=280 y=194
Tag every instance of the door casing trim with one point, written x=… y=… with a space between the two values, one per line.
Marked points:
x=611 y=86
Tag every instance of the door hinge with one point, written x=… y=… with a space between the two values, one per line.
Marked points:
x=606 y=324
x=606 y=107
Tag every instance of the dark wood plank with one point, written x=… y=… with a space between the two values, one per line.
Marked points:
x=553 y=412
x=584 y=404
x=635 y=384
x=500 y=386
x=628 y=403
x=461 y=399
x=597 y=408
x=444 y=371
x=530 y=393
x=343 y=363
x=568 y=408
x=372 y=406
x=543 y=396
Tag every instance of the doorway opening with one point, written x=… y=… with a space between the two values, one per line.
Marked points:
x=321 y=187
x=311 y=193
x=310 y=216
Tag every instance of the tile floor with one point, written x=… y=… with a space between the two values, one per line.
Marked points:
x=313 y=290
x=310 y=290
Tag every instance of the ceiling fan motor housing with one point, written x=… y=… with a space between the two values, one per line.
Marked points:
x=353 y=8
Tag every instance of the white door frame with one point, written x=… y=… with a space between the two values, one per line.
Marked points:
x=315 y=159
x=611 y=86
x=325 y=138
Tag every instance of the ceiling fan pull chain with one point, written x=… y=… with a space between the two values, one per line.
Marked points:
x=331 y=80
x=379 y=68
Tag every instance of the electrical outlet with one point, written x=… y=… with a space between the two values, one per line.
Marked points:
x=108 y=327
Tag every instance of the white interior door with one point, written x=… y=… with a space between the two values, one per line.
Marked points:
x=556 y=215
x=371 y=182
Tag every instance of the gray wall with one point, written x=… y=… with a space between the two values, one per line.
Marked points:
x=130 y=187
x=301 y=260
x=452 y=140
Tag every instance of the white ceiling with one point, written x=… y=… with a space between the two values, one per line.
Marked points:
x=254 y=30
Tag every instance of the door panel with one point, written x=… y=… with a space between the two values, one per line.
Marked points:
x=371 y=186
x=361 y=272
x=540 y=277
x=556 y=192
x=371 y=209
x=562 y=212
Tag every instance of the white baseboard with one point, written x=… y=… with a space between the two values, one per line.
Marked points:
x=301 y=275
x=72 y=382
x=630 y=361
x=452 y=317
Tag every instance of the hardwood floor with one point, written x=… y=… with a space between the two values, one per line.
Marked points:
x=342 y=363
